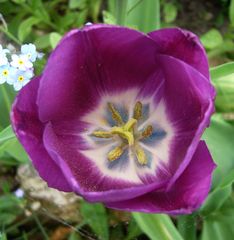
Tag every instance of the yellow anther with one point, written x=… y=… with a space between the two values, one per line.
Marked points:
x=102 y=134
x=129 y=125
x=115 y=153
x=147 y=132
x=124 y=134
x=141 y=157
x=137 y=110
x=115 y=114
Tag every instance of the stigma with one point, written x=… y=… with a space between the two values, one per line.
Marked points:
x=128 y=134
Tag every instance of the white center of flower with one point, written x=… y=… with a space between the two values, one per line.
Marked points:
x=128 y=133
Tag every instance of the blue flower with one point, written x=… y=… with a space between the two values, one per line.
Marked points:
x=30 y=51
x=20 y=78
x=3 y=58
x=21 y=62
x=5 y=74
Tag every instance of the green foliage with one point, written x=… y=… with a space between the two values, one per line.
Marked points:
x=54 y=39
x=212 y=39
x=10 y=208
x=6 y=134
x=223 y=80
x=157 y=226
x=96 y=217
x=231 y=12
x=143 y=15
x=220 y=138
x=169 y=12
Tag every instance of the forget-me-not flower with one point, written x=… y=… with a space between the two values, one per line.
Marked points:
x=3 y=57
x=30 y=51
x=22 y=62
x=20 y=78
x=5 y=75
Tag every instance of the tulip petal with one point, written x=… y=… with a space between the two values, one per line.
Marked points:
x=183 y=45
x=29 y=131
x=187 y=194
x=188 y=99
x=87 y=64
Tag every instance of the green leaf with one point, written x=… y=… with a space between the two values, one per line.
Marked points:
x=231 y=12
x=169 y=12
x=42 y=41
x=186 y=225
x=6 y=134
x=212 y=39
x=6 y=98
x=220 y=138
x=14 y=149
x=108 y=18
x=96 y=217
x=215 y=200
x=223 y=80
x=118 y=8
x=77 y=4
x=218 y=197
x=157 y=226
x=145 y=14
x=25 y=27
x=133 y=230
x=54 y=39
x=217 y=230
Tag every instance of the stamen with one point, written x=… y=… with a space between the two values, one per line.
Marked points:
x=102 y=134
x=141 y=157
x=115 y=153
x=137 y=110
x=115 y=114
x=123 y=134
x=147 y=132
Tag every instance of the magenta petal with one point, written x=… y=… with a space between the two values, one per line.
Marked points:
x=188 y=97
x=88 y=64
x=29 y=131
x=183 y=45
x=186 y=195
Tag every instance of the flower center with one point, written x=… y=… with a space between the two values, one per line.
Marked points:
x=5 y=73
x=128 y=134
x=21 y=62
x=20 y=78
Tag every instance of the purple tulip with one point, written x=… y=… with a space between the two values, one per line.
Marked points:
x=117 y=117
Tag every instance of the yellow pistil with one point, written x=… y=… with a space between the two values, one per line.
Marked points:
x=20 y=62
x=130 y=124
x=115 y=114
x=147 y=132
x=115 y=153
x=123 y=134
x=137 y=110
x=141 y=157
